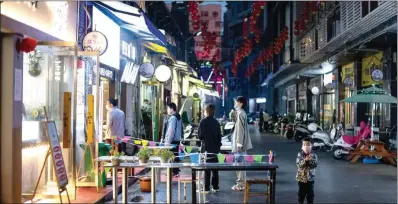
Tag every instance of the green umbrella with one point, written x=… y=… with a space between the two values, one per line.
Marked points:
x=371 y=95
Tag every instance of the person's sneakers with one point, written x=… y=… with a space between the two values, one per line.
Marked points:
x=215 y=190
x=237 y=188
x=201 y=191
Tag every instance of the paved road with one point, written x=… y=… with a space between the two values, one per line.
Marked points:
x=337 y=181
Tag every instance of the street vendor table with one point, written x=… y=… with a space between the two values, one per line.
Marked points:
x=371 y=148
x=154 y=169
x=244 y=166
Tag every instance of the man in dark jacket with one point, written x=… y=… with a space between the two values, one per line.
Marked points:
x=210 y=133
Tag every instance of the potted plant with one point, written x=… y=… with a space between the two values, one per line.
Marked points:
x=166 y=155
x=144 y=155
x=34 y=63
x=115 y=159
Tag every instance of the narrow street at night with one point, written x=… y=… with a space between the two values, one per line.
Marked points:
x=198 y=101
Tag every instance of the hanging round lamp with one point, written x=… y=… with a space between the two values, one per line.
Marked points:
x=163 y=73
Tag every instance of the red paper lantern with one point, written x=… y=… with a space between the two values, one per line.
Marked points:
x=26 y=45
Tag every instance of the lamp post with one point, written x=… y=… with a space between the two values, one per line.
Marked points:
x=186 y=46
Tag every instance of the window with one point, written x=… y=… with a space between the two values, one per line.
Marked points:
x=333 y=25
x=204 y=13
x=368 y=6
x=215 y=14
x=218 y=24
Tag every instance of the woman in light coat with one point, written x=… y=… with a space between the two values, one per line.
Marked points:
x=241 y=141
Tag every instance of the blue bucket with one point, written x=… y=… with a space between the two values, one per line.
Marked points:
x=370 y=160
x=194 y=158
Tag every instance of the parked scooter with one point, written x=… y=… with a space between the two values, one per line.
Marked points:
x=325 y=140
x=345 y=143
x=303 y=130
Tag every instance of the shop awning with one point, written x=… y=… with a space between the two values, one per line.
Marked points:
x=158 y=49
x=209 y=92
x=131 y=18
x=286 y=73
x=183 y=66
x=196 y=81
x=266 y=80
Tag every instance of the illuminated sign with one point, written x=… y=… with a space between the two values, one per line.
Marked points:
x=95 y=41
x=107 y=73
x=130 y=73
x=261 y=100
x=128 y=50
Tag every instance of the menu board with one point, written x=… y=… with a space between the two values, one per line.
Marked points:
x=56 y=152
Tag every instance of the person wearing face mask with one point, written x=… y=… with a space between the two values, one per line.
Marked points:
x=209 y=133
x=115 y=126
x=241 y=141
x=306 y=163
x=173 y=131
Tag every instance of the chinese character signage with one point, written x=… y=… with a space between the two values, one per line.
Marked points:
x=372 y=70
x=96 y=42
x=90 y=119
x=66 y=120
x=56 y=151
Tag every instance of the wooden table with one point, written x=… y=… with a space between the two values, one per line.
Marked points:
x=372 y=148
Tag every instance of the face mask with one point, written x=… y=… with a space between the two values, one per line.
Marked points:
x=107 y=107
x=205 y=114
x=306 y=149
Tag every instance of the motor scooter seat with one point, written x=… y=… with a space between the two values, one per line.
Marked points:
x=350 y=139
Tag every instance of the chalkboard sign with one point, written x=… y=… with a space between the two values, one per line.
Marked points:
x=56 y=152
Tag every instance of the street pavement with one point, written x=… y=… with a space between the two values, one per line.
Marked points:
x=336 y=181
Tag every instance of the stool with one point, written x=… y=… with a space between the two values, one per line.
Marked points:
x=183 y=181
x=250 y=182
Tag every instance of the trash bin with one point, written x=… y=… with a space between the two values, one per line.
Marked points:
x=103 y=150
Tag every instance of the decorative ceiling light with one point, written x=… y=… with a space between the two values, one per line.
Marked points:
x=163 y=73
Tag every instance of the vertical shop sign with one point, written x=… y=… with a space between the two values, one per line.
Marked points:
x=90 y=123
x=348 y=75
x=58 y=159
x=372 y=64
x=66 y=119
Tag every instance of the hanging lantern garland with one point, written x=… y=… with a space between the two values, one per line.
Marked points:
x=309 y=9
x=267 y=54
x=249 y=27
x=209 y=38
x=193 y=10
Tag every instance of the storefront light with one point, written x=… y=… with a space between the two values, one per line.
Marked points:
x=315 y=90
x=163 y=73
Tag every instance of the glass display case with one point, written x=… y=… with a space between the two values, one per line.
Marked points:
x=48 y=73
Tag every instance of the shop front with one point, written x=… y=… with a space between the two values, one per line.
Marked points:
x=376 y=72
x=315 y=87
x=129 y=68
x=347 y=115
x=302 y=97
x=45 y=77
x=291 y=94
x=328 y=101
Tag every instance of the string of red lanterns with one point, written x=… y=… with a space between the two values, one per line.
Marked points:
x=267 y=53
x=249 y=27
x=300 y=23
